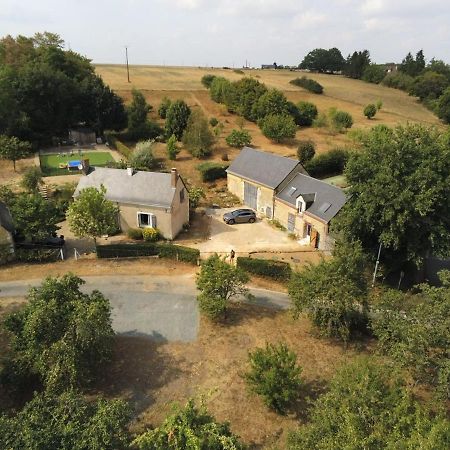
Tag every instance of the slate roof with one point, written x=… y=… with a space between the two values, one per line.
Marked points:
x=261 y=167
x=141 y=188
x=326 y=199
x=5 y=218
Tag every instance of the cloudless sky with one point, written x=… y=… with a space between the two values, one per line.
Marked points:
x=229 y=32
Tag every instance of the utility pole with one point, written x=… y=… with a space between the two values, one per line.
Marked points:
x=128 y=69
x=376 y=266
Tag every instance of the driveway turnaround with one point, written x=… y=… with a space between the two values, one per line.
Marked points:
x=243 y=237
x=161 y=308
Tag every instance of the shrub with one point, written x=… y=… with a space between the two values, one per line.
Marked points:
x=213 y=121
x=220 y=89
x=211 y=171
x=238 y=138
x=321 y=121
x=379 y=104
x=328 y=164
x=278 y=127
x=172 y=149
x=114 y=143
x=307 y=112
x=279 y=270
x=207 y=80
x=164 y=250
x=151 y=234
x=164 y=107
x=341 y=119
x=37 y=254
x=308 y=84
x=306 y=151
x=443 y=108
x=196 y=193
x=398 y=80
x=239 y=71
x=374 y=73
x=272 y=102
x=135 y=233
x=370 y=110
x=197 y=136
x=32 y=179
x=275 y=375
x=143 y=158
x=177 y=118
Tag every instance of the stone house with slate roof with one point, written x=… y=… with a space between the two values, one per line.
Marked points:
x=281 y=189
x=145 y=199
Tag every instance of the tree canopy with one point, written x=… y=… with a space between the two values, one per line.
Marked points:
x=14 y=149
x=356 y=64
x=44 y=90
x=92 y=214
x=399 y=193
x=322 y=60
x=366 y=407
x=61 y=336
x=66 y=422
x=177 y=118
x=198 y=137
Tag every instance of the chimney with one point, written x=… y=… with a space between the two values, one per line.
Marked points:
x=174 y=173
x=130 y=171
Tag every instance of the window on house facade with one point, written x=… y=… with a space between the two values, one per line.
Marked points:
x=308 y=229
x=146 y=220
x=182 y=195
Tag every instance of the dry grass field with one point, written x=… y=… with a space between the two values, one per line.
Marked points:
x=340 y=92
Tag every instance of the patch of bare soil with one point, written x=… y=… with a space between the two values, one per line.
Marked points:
x=153 y=376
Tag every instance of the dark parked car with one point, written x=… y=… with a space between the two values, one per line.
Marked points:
x=239 y=216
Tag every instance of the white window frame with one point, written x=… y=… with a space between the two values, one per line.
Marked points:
x=152 y=219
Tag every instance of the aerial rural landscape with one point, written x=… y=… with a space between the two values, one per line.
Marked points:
x=223 y=256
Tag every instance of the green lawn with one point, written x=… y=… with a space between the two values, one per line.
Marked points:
x=338 y=180
x=50 y=163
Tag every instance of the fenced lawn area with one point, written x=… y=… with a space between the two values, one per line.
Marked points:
x=56 y=164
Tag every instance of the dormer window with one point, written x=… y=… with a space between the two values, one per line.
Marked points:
x=301 y=204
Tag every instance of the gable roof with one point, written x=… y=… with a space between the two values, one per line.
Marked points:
x=327 y=200
x=261 y=167
x=141 y=188
x=5 y=218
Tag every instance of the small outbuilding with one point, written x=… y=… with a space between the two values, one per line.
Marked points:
x=145 y=199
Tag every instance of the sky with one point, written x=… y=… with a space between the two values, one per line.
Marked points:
x=231 y=32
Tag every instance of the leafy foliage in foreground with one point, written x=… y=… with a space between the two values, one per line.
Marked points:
x=66 y=422
x=415 y=331
x=367 y=408
x=190 y=428
x=274 y=375
x=333 y=293
x=62 y=336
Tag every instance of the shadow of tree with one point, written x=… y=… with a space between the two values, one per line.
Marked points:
x=139 y=367
x=239 y=313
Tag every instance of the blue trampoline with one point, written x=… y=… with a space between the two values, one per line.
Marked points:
x=76 y=164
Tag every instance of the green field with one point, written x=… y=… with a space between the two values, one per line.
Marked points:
x=50 y=164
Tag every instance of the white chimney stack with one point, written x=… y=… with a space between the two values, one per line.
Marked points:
x=130 y=171
x=174 y=173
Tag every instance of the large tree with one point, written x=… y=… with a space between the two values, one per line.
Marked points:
x=197 y=137
x=34 y=218
x=13 y=149
x=92 y=214
x=177 y=118
x=62 y=336
x=356 y=64
x=399 y=193
x=66 y=421
x=322 y=60
x=366 y=407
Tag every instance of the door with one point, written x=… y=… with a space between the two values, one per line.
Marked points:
x=250 y=195
x=291 y=223
x=314 y=238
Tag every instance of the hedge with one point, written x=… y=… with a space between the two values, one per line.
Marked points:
x=328 y=164
x=308 y=84
x=211 y=171
x=37 y=254
x=277 y=270
x=115 y=144
x=163 y=250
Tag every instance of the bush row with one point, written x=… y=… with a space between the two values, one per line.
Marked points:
x=185 y=254
x=277 y=270
x=328 y=164
x=115 y=144
x=308 y=84
x=36 y=254
x=211 y=171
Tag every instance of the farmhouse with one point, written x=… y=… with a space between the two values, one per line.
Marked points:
x=281 y=189
x=255 y=177
x=145 y=199
x=6 y=234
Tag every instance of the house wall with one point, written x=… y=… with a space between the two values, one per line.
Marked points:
x=282 y=210
x=264 y=198
x=169 y=221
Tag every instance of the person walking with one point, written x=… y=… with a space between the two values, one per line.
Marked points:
x=232 y=255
